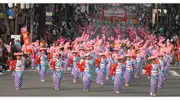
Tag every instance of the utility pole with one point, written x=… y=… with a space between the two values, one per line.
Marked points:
x=168 y=12
x=13 y=20
x=157 y=13
x=60 y=14
x=7 y=23
x=162 y=14
x=31 y=23
x=17 y=19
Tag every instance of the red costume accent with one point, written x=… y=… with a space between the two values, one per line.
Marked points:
x=113 y=69
x=157 y=61
x=148 y=69
x=97 y=61
x=134 y=56
x=12 y=65
x=81 y=66
x=37 y=60
x=53 y=64
x=50 y=56
x=70 y=60
x=125 y=62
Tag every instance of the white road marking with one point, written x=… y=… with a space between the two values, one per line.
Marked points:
x=174 y=73
x=174 y=67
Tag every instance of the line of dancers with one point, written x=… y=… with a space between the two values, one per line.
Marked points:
x=119 y=59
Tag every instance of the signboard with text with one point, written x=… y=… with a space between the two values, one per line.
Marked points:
x=114 y=12
x=16 y=37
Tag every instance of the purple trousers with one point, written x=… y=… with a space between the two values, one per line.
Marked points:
x=128 y=76
x=161 y=81
x=33 y=63
x=154 y=84
x=17 y=80
x=138 y=69
x=117 y=83
x=42 y=74
x=75 y=74
x=56 y=80
x=108 y=71
x=100 y=77
x=86 y=82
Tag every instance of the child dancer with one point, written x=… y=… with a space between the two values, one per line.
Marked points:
x=57 y=69
x=101 y=69
x=117 y=74
x=42 y=62
x=17 y=67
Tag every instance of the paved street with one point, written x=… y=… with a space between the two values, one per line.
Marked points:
x=33 y=87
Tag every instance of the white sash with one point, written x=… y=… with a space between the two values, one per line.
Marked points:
x=19 y=69
x=118 y=71
x=102 y=65
x=154 y=72
x=57 y=68
x=129 y=67
x=42 y=62
x=86 y=69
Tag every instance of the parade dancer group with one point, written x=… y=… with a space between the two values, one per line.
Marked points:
x=120 y=60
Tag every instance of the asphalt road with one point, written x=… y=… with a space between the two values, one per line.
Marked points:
x=32 y=86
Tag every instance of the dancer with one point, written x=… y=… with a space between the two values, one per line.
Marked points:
x=17 y=66
x=86 y=70
x=110 y=61
x=161 y=74
x=128 y=75
x=75 y=70
x=138 y=64
x=42 y=63
x=168 y=61
x=152 y=71
x=57 y=69
x=101 y=69
x=33 y=57
x=117 y=73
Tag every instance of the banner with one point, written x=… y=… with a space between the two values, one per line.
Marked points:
x=114 y=12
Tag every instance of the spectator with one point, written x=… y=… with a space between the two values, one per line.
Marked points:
x=13 y=49
x=3 y=52
x=3 y=56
